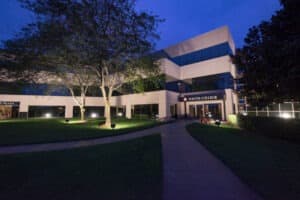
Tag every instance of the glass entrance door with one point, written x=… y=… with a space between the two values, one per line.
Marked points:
x=200 y=111
x=215 y=111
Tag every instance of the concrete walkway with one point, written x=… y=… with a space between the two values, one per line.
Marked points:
x=192 y=173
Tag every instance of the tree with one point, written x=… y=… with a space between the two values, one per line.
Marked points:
x=269 y=59
x=108 y=37
x=49 y=51
x=124 y=39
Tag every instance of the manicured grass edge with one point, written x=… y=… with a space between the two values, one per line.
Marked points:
x=126 y=131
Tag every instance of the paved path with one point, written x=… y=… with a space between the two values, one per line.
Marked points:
x=192 y=173
x=77 y=144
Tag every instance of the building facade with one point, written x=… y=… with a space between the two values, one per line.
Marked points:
x=199 y=78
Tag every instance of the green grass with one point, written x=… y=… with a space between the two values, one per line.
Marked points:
x=124 y=170
x=15 y=132
x=268 y=166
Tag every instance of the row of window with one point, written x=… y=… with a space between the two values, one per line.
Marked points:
x=206 y=83
x=138 y=111
x=203 y=54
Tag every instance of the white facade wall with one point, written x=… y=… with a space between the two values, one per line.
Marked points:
x=205 y=68
x=203 y=41
x=158 y=97
x=170 y=69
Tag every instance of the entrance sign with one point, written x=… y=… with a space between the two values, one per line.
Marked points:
x=202 y=97
x=9 y=103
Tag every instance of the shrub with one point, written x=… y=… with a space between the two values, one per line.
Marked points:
x=272 y=127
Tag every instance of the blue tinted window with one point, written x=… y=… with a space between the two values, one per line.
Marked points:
x=214 y=82
x=203 y=54
x=176 y=87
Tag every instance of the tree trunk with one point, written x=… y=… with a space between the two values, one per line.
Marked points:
x=107 y=97
x=107 y=115
x=82 y=112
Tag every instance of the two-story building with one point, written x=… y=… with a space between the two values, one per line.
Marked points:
x=199 y=82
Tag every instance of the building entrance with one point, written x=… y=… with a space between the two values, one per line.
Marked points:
x=213 y=111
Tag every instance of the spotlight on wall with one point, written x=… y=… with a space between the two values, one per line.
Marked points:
x=94 y=115
x=48 y=115
x=285 y=116
x=120 y=114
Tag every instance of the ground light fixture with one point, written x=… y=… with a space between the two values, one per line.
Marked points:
x=244 y=113
x=113 y=126
x=94 y=115
x=48 y=115
x=217 y=122
x=285 y=116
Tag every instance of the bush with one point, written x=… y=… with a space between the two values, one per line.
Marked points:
x=272 y=127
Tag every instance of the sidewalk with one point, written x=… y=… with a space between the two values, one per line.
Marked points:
x=190 y=171
x=193 y=173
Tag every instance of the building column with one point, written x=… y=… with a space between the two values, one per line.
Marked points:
x=69 y=111
x=223 y=111
x=163 y=106
x=229 y=102
x=23 y=110
x=128 y=111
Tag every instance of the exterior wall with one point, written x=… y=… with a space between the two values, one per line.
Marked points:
x=169 y=68
x=158 y=97
x=206 y=68
x=206 y=40
x=172 y=99
x=231 y=102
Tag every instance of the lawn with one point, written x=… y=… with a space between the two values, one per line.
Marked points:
x=15 y=132
x=268 y=166
x=124 y=170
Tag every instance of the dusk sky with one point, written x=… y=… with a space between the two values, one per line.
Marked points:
x=183 y=18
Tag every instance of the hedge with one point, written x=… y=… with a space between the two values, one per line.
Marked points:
x=288 y=129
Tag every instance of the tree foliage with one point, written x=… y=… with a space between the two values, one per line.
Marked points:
x=85 y=42
x=270 y=59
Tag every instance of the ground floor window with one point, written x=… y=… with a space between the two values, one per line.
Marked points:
x=145 y=111
x=98 y=111
x=8 y=111
x=46 y=111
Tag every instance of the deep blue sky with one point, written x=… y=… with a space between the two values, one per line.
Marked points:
x=184 y=18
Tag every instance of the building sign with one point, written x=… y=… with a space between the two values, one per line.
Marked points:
x=202 y=97
x=9 y=103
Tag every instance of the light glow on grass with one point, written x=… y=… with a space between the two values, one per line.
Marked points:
x=76 y=122
x=124 y=125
